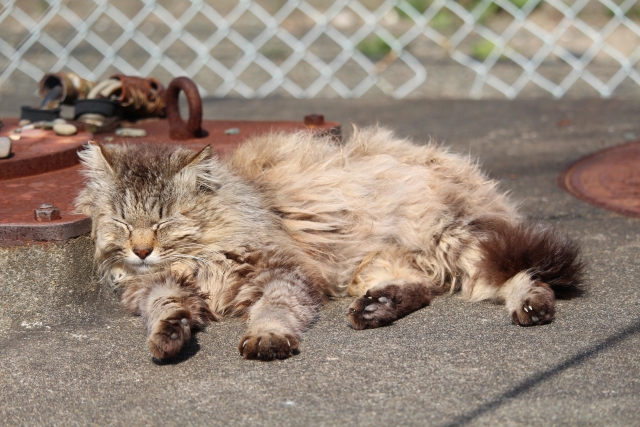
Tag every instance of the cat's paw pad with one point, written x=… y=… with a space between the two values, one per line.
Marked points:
x=537 y=308
x=372 y=310
x=169 y=335
x=268 y=346
x=116 y=275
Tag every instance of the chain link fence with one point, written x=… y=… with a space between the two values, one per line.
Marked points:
x=340 y=48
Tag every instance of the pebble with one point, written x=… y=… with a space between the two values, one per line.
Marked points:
x=131 y=132
x=59 y=120
x=14 y=137
x=47 y=125
x=24 y=122
x=5 y=147
x=232 y=131
x=28 y=127
x=629 y=136
x=64 y=129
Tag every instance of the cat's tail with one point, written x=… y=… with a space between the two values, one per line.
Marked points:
x=532 y=265
x=545 y=253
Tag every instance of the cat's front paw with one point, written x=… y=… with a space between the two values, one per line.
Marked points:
x=115 y=276
x=169 y=335
x=268 y=346
x=537 y=308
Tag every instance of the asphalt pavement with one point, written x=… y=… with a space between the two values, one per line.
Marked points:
x=453 y=363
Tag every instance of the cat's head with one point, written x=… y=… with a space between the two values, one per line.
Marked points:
x=146 y=201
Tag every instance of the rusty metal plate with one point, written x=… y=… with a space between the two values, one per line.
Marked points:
x=39 y=151
x=609 y=178
x=58 y=180
x=218 y=133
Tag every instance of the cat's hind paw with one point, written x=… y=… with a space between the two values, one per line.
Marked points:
x=368 y=312
x=268 y=346
x=383 y=304
x=537 y=308
x=169 y=335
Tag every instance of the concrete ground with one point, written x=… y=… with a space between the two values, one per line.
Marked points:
x=452 y=364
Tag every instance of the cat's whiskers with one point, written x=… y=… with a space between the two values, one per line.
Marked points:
x=104 y=269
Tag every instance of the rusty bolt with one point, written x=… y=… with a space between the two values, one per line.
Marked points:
x=314 y=120
x=47 y=213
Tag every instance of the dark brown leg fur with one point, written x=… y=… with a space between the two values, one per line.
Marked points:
x=383 y=304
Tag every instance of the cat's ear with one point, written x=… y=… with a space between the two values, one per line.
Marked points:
x=201 y=157
x=97 y=159
x=200 y=164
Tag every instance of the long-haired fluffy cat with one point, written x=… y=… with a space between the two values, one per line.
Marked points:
x=289 y=219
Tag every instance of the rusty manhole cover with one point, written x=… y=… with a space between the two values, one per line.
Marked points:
x=609 y=179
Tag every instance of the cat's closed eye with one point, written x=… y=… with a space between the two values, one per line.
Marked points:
x=122 y=223
x=163 y=222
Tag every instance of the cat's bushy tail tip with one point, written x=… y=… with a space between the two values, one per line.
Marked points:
x=546 y=253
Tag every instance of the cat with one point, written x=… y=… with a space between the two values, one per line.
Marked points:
x=288 y=220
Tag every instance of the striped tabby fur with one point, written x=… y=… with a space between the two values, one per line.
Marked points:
x=289 y=219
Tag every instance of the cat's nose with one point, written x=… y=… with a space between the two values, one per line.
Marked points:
x=142 y=253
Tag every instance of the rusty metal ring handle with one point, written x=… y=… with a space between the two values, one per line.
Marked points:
x=178 y=129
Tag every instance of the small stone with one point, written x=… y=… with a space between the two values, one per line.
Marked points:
x=14 y=137
x=24 y=122
x=5 y=147
x=629 y=136
x=28 y=127
x=47 y=125
x=59 y=120
x=108 y=138
x=64 y=129
x=131 y=132
x=17 y=130
x=232 y=131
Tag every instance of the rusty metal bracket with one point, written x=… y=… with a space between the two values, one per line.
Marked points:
x=178 y=129
x=44 y=167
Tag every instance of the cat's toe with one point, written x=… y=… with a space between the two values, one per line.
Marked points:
x=268 y=346
x=169 y=335
x=537 y=308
